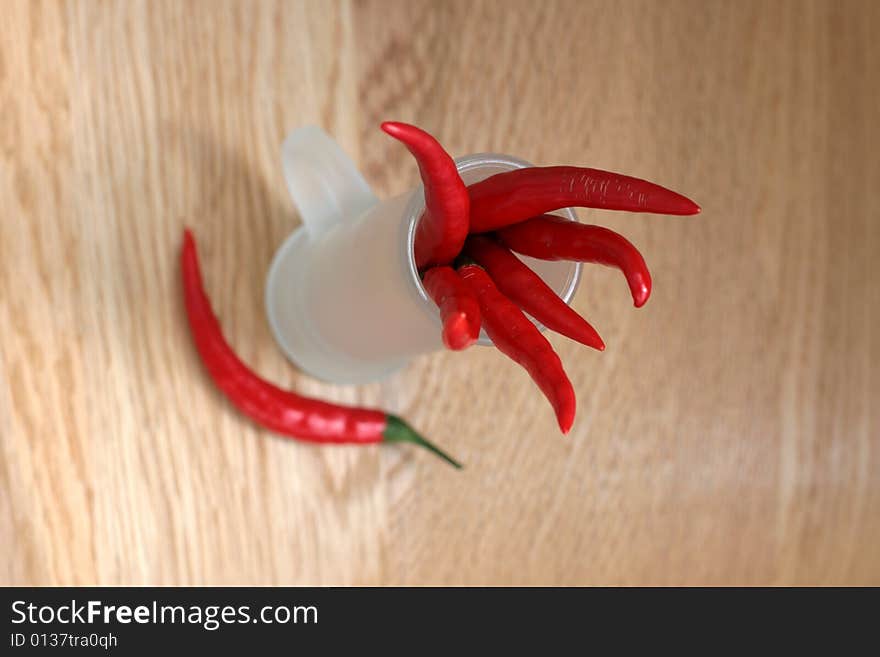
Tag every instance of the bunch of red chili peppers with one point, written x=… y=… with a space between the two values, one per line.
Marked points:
x=464 y=247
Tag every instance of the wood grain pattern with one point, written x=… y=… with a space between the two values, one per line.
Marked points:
x=729 y=434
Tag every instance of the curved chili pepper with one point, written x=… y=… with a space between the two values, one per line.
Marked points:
x=549 y=237
x=443 y=226
x=517 y=337
x=459 y=309
x=524 y=287
x=282 y=411
x=513 y=196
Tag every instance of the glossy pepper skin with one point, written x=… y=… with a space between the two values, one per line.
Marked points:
x=513 y=196
x=443 y=226
x=282 y=411
x=516 y=336
x=459 y=309
x=525 y=288
x=549 y=237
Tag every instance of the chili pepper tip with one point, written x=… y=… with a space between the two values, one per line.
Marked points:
x=678 y=204
x=641 y=291
x=565 y=418
x=457 y=334
x=397 y=129
x=398 y=431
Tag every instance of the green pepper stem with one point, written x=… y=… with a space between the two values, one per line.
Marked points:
x=398 y=431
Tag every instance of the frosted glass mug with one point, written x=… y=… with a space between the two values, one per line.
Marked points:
x=343 y=296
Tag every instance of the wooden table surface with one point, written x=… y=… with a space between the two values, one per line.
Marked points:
x=728 y=435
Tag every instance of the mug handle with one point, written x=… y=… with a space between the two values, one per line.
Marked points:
x=325 y=185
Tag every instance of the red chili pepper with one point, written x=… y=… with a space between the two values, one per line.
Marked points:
x=459 y=309
x=518 y=338
x=549 y=237
x=443 y=227
x=524 y=287
x=282 y=411
x=513 y=196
